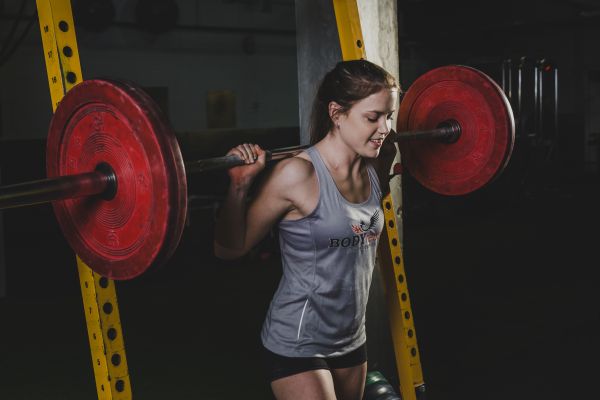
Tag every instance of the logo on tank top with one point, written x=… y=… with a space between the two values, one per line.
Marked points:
x=364 y=233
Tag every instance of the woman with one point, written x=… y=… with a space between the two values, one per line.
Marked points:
x=326 y=202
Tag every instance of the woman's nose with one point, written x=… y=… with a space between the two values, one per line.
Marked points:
x=384 y=126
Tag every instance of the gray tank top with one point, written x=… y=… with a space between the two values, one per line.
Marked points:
x=328 y=257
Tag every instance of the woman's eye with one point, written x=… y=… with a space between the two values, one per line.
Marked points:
x=372 y=119
x=390 y=117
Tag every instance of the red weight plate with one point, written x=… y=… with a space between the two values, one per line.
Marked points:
x=116 y=123
x=472 y=99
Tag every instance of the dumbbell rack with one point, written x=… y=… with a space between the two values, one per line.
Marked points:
x=105 y=335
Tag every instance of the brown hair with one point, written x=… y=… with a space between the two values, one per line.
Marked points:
x=347 y=83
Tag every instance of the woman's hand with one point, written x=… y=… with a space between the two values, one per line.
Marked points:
x=388 y=152
x=255 y=158
x=385 y=160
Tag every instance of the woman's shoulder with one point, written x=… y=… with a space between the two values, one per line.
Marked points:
x=295 y=169
x=291 y=172
x=291 y=178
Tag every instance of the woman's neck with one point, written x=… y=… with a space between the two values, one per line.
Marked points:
x=338 y=156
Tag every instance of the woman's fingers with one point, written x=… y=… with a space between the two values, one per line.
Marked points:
x=260 y=153
x=254 y=159
x=248 y=152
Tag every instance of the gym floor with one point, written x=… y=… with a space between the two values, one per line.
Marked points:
x=504 y=293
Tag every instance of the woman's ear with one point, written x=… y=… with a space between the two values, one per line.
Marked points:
x=334 y=111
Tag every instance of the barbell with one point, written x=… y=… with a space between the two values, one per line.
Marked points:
x=117 y=180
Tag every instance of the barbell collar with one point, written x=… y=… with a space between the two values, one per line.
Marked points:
x=100 y=182
x=446 y=132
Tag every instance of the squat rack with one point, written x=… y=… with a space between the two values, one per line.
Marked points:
x=98 y=293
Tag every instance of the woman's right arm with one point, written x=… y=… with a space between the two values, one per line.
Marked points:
x=240 y=226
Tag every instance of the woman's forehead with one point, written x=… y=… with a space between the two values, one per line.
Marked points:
x=384 y=100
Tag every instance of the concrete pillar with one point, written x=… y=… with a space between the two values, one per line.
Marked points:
x=318 y=50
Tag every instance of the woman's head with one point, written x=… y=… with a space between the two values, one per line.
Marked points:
x=347 y=83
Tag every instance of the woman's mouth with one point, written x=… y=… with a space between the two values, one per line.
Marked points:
x=376 y=142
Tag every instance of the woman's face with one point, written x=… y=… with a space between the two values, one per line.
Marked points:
x=367 y=123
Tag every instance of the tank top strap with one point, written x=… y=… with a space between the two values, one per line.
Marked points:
x=326 y=183
x=374 y=178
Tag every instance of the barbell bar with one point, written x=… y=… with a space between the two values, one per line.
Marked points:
x=117 y=181
x=103 y=181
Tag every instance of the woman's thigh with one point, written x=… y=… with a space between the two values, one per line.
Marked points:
x=310 y=385
x=349 y=383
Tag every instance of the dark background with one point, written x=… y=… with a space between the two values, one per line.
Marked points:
x=503 y=282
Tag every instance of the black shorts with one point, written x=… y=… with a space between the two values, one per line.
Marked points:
x=277 y=367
